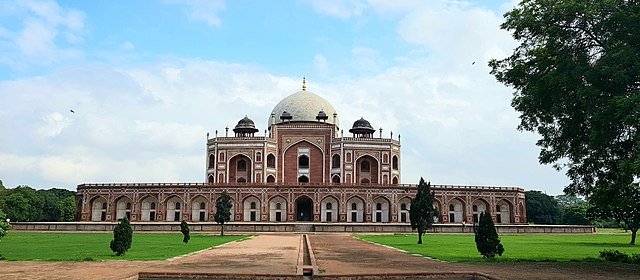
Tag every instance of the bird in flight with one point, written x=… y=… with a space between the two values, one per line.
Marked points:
x=72 y=111
x=473 y=63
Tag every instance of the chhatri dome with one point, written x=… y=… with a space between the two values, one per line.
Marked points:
x=303 y=106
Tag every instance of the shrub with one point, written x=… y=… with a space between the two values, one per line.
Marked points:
x=487 y=240
x=122 y=235
x=617 y=256
x=184 y=228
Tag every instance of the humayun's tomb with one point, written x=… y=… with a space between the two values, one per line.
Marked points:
x=302 y=169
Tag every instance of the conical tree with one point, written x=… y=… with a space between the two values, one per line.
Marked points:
x=487 y=240
x=223 y=211
x=422 y=212
x=122 y=236
x=184 y=228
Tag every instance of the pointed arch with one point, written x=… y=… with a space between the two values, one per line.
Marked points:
x=200 y=208
x=404 y=204
x=240 y=169
x=355 y=209
x=456 y=208
x=380 y=209
x=174 y=207
x=124 y=207
x=278 y=209
x=99 y=207
x=329 y=209
x=252 y=207
x=149 y=206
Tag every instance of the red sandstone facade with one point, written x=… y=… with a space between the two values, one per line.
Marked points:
x=303 y=169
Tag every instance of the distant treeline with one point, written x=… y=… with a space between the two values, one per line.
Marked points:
x=562 y=209
x=25 y=204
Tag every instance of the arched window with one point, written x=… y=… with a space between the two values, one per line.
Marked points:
x=394 y=162
x=241 y=180
x=385 y=158
x=329 y=206
x=451 y=207
x=497 y=208
x=335 y=179
x=177 y=205
x=403 y=206
x=354 y=206
x=335 y=161
x=278 y=206
x=242 y=165
x=212 y=161
x=475 y=208
x=210 y=179
x=303 y=179
x=348 y=157
x=259 y=157
x=128 y=205
x=364 y=181
x=379 y=206
x=365 y=166
x=153 y=205
x=221 y=156
x=104 y=205
x=202 y=205
x=271 y=161
x=395 y=180
x=253 y=205
x=271 y=179
x=303 y=162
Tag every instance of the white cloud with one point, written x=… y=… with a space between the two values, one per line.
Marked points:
x=48 y=33
x=128 y=46
x=53 y=124
x=338 y=8
x=201 y=10
x=320 y=63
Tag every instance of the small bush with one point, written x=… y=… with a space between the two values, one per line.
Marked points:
x=617 y=256
x=122 y=235
x=184 y=228
x=487 y=239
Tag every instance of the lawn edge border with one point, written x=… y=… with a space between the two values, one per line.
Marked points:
x=397 y=249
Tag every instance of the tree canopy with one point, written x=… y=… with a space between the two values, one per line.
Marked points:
x=26 y=204
x=542 y=208
x=576 y=75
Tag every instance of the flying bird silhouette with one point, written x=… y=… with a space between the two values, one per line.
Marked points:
x=72 y=111
x=473 y=63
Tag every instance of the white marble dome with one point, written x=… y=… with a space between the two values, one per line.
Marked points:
x=303 y=106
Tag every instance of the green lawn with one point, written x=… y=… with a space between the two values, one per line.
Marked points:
x=462 y=248
x=21 y=246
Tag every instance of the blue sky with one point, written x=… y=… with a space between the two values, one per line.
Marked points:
x=148 y=79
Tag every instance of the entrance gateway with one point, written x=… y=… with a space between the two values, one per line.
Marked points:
x=304 y=209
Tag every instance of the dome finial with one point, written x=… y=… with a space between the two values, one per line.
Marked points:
x=304 y=83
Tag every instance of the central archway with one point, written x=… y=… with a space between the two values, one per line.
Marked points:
x=304 y=209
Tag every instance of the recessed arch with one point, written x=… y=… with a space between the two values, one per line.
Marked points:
x=456 y=209
x=199 y=208
x=367 y=167
x=271 y=178
x=335 y=161
x=240 y=168
x=355 y=209
x=404 y=205
x=329 y=209
x=210 y=179
x=174 y=208
x=124 y=207
x=212 y=161
x=304 y=208
x=99 y=207
x=394 y=162
x=380 y=209
x=271 y=161
x=479 y=206
x=149 y=208
x=278 y=209
x=252 y=207
x=504 y=212
x=394 y=180
x=303 y=179
x=335 y=179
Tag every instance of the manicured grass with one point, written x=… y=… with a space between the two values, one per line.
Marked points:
x=22 y=246
x=462 y=248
